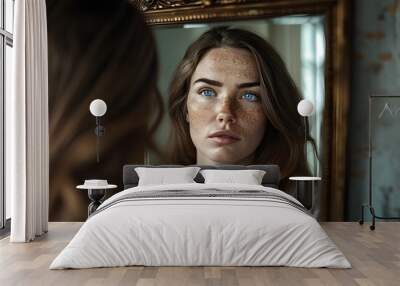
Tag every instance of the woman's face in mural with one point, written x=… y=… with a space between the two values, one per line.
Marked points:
x=226 y=119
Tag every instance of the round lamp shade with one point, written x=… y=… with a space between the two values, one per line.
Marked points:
x=98 y=107
x=305 y=107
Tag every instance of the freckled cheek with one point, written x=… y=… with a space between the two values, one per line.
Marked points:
x=252 y=121
x=199 y=115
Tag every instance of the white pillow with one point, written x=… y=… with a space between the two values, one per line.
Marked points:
x=163 y=176
x=248 y=177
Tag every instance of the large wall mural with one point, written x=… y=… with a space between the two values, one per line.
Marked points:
x=195 y=93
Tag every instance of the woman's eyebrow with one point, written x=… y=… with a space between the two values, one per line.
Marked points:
x=209 y=81
x=217 y=83
x=249 y=84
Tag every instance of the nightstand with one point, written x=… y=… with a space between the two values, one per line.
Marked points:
x=306 y=183
x=96 y=192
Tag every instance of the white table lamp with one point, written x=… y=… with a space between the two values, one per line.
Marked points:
x=98 y=108
x=305 y=108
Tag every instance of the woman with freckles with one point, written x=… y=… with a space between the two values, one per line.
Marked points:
x=232 y=101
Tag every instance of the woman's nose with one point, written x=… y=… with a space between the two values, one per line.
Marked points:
x=225 y=118
x=225 y=113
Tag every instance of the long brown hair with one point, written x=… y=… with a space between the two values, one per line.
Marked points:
x=97 y=49
x=284 y=140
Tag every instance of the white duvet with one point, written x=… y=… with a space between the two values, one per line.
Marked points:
x=200 y=231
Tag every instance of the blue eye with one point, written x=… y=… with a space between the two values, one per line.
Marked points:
x=250 y=97
x=207 y=92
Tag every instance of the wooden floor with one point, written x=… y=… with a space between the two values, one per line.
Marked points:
x=375 y=257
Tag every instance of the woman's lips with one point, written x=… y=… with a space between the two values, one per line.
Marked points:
x=224 y=137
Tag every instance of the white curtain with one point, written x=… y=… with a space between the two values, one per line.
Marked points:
x=27 y=159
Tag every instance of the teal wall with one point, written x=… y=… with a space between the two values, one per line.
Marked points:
x=375 y=71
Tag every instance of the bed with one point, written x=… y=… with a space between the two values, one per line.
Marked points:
x=201 y=224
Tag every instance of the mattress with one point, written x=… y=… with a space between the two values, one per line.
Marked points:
x=201 y=225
